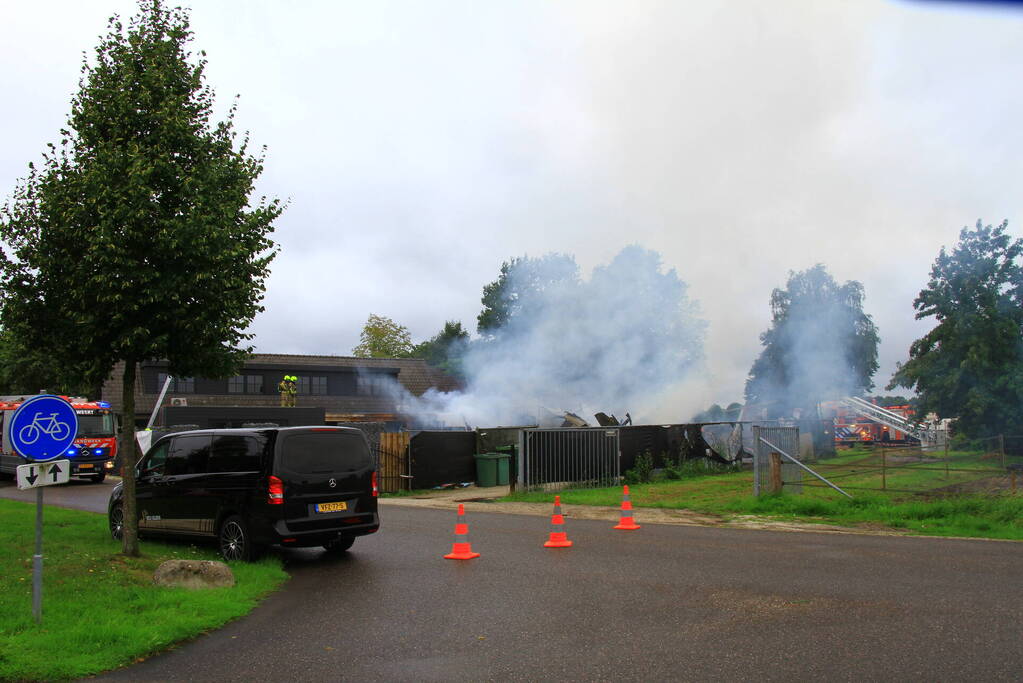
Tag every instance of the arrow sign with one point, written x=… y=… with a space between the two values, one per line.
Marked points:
x=44 y=474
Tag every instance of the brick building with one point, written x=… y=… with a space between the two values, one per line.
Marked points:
x=349 y=389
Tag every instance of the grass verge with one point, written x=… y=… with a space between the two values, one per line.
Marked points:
x=972 y=516
x=730 y=495
x=100 y=608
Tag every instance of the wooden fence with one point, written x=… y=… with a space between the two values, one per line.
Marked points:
x=392 y=462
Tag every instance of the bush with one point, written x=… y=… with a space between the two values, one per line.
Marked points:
x=642 y=471
x=690 y=469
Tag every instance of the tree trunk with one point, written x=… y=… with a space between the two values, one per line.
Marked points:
x=126 y=447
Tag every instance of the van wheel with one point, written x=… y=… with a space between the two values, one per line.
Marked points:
x=340 y=545
x=98 y=478
x=236 y=541
x=116 y=520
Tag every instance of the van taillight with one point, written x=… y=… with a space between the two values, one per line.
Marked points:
x=376 y=491
x=275 y=491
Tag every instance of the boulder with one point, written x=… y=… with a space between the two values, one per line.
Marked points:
x=193 y=574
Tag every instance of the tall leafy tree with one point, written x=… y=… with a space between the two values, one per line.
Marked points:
x=136 y=239
x=820 y=344
x=970 y=366
x=521 y=286
x=381 y=337
x=445 y=349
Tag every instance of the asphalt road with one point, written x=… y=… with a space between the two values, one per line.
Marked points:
x=78 y=494
x=661 y=603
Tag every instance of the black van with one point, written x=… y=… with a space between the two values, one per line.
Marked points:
x=251 y=488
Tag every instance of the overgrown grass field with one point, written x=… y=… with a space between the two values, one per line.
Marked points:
x=100 y=608
x=730 y=494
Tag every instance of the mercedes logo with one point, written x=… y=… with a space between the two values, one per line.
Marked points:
x=332 y=482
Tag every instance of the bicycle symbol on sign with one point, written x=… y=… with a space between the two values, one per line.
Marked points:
x=45 y=425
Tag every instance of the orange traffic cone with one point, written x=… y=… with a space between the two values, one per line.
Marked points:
x=558 y=538
x=461 y=549
x=626 y=522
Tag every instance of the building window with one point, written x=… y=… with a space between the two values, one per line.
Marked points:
x=372 y=385
x=316 y=386
x=245 y=384
x=178 y=385
x=253 y=384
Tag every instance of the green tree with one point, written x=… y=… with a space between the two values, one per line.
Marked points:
x=713 y=414
x=820 y=344
x=383 y=338
x=970 y=366
x=136 y=239
x=718 y=414
x=892 y=401
x=446 y=349
x=520 y=288
x=25 y=370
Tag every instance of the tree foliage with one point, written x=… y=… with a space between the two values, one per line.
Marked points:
x=523 y=282
x=970 y=366
x=24 y=370
x=135 y=239
x=610 y=343
x=896 y=400
x=381 y=337
x=445 y=349
x=820 y=344
x=715 y=413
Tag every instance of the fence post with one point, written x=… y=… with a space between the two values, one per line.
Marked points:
x=775 y=473
x=1001 y=447
x=1014 y=481
x=884 y=472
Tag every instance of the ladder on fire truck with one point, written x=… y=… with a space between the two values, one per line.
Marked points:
x=926 y=437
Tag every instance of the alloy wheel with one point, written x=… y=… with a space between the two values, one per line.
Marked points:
x=117 y=523
x=232 y=540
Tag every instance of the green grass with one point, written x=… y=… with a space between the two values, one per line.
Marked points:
x=407 y=494
x=969 y=515
x=730 y=495
x=100 y=608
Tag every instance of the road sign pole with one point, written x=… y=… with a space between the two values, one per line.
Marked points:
x=37 y=561
x=41 y=430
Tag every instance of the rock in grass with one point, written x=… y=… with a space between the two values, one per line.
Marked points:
x=193 y=574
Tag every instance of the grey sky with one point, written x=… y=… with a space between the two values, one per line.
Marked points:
x=423 y=143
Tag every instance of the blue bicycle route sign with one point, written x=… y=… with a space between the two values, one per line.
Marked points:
x=43 y=428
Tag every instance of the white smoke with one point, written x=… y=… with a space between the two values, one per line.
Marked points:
x=821 y=345
x=623 y=340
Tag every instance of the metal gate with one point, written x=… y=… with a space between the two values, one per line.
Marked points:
x=772 y=439
x=557 y=458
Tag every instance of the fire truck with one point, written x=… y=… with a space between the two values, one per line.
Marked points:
x=95 y=446
x=851 y=427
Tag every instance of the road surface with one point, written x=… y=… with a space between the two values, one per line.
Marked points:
x=662 y=603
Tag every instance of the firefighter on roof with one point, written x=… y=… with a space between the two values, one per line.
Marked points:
x=288 y=388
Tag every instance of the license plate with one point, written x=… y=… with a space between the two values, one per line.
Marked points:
x=331 y=507
x=85 y=466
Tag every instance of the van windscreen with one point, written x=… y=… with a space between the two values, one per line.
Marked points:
x=320 y=452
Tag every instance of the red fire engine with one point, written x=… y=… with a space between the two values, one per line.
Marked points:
x=95 y=446
x=852 y=428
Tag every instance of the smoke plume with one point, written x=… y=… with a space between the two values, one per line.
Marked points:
x=623 y=340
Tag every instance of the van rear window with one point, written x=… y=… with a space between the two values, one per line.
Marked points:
x=320 y=452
